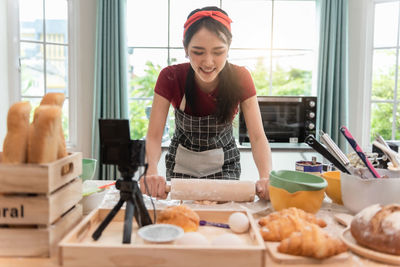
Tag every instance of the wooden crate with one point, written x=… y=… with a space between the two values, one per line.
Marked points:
x=37 y=241
x=38 y=205
x=79 y=249
x=39 y=209
x=39 y=178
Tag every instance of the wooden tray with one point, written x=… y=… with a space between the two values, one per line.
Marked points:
x=272 y=248
x=39 y=178
x=37 y=241
x=41 y=209
x=79 y=249
x=366 y=252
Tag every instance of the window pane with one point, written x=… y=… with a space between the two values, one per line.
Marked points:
x=257 y=62
x=32 y=82
x=381 y=120
x=57 y=69
x=144 y=68
x=177 y=56
x=56 y=21
x=386 y=23
x=147 y=23
x=294 y=24
x=65 y=120
x=292 y=72
x=139 y=122
x=31 y=19
x=383 y=74
x=251 y=26
x=179 y=10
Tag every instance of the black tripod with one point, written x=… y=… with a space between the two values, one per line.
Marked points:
x=131 y=194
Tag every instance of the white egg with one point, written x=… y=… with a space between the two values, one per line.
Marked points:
x=192 y=238
x=227 y=240
x=238 y=222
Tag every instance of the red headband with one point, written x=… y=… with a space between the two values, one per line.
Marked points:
x=217 y=15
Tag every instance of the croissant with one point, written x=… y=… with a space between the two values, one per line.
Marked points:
x=299 y=213
x=282 y=227
x=312 y=241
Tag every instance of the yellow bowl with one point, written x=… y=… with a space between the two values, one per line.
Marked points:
x=333 y=189
x=309 y=201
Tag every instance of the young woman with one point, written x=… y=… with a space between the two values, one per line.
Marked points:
x=206 y=94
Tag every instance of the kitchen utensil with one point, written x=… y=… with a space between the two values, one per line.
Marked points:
x=309 y=201
x=333 y=190
x=359 y=193
x=348 y=239
x=207 y=223
x=311 y=141
x=293 y=181
x=388 y=152
x=213 y=190
x=359 y=151
x=160 y=233
x=334 y=149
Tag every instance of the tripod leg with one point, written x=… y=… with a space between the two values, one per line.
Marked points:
x=96 y=235
x=142 y=215
x=129 y=210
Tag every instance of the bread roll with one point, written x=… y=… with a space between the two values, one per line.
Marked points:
x=43 y=140
x=312 y=241
x=53 y=99
x=15 y=143
x=181 y=216
x=378 y=227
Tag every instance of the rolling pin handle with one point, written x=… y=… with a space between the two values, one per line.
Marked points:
x=167 y=188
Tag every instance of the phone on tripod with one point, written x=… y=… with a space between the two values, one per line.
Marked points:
x=118 y=149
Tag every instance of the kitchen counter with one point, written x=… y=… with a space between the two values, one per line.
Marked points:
x=259 y=208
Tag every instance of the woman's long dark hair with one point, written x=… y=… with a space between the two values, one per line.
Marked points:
x=229 y=91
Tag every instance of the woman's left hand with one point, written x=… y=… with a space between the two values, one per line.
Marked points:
x=262 y=188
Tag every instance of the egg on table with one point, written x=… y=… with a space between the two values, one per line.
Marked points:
x=238 y=222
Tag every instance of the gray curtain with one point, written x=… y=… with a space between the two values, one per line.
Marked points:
x=332 y=78
x=110 y=81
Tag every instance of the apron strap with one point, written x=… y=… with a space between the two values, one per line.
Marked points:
x=183 y=103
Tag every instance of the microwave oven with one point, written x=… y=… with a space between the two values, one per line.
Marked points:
x=286 y=119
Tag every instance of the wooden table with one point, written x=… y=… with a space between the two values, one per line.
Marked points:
x=326 y=212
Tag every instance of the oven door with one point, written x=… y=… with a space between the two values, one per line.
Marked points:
x=285 y=119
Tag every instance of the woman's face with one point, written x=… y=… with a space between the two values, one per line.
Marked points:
x=207 y=54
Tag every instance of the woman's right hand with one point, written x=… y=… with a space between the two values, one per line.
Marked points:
x=156 y=186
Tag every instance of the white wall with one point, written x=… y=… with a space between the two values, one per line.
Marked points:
x=85 y=27
x=4 y=96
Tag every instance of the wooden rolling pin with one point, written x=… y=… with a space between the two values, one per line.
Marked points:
x=213 y=190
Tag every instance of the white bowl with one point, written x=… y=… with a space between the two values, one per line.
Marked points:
x=92 y=201
x=359 y=193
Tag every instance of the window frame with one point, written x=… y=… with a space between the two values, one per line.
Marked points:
x=15 y=67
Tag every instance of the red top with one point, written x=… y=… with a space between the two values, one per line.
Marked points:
x=171 y=85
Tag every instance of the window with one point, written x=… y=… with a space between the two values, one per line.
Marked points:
x=385 y=109
x=276 y=40
x=43 y=52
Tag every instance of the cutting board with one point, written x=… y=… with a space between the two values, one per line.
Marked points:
x=366 y=252
x=272 y=248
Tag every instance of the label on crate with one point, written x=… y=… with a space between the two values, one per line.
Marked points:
x=12 y=212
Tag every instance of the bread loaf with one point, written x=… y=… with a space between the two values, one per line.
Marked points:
x=181 y=216
x=15 y=143
x=58 y=100
x=43 y=140
x=378 y=227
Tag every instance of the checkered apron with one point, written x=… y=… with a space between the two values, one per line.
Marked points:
x=202 y=135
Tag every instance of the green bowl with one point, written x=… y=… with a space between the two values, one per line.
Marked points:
x=88 y=168
x=293 y=181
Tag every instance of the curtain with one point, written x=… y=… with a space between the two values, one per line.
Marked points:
x=110 y=78
x=332 y=80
